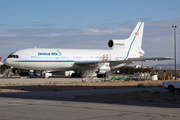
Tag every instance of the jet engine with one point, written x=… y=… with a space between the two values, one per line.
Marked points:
x=117 y=43
x=104 y=69
x=122 y=44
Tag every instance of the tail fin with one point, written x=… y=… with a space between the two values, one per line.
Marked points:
x=135 y=39
x=137 y=34
x=0 y=61
x=131 y=47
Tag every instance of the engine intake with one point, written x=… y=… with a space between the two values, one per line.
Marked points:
x=105 y=68
x=110 y=43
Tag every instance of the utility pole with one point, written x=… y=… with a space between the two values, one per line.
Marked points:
x=174 y=27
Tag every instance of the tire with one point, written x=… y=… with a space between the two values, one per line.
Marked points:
x=76 y=75
x=101 y=75
x=73 y=75
x=171 y=88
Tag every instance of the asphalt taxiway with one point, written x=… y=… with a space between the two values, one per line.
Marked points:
x=64 y=105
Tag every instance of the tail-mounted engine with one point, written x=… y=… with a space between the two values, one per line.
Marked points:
x=116 y=43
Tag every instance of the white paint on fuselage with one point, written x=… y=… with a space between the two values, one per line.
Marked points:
x=59 y=59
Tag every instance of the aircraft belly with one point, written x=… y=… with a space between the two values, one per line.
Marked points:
x=79 y=67
x=47 y=65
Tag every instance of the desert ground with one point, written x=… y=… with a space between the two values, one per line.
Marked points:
x=144 y=96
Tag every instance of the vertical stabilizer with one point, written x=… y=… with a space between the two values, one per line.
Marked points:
x=137 y=34
x=131 y=47
x=0 y=61
x=135 y=42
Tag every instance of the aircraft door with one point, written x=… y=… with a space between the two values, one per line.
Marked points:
x=26 y=57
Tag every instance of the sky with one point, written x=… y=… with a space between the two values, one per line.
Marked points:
x=89 y=24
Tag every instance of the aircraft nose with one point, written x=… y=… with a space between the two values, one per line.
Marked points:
x=6 y=61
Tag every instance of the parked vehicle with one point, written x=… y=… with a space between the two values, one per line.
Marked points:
x=172 y=86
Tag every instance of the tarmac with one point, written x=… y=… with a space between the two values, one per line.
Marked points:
x=64 y=105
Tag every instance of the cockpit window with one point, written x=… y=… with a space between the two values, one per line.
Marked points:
x=13 y=56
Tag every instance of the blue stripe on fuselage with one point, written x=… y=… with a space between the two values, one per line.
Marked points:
x=44 y=61
x=53 y=61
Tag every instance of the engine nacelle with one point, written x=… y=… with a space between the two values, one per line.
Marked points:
x=104 y=69
x=117 y=43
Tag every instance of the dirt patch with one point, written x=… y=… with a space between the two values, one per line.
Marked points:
x=143 y=96
x=50 y=86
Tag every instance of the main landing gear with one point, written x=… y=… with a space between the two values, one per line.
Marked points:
x=76 y=75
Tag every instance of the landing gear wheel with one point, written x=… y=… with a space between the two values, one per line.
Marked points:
x=171 y=89
x=101 y=75
x=76 y=75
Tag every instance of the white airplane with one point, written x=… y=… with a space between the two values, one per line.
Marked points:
x=122 y=52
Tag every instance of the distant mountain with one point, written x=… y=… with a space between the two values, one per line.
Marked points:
x=166 y=66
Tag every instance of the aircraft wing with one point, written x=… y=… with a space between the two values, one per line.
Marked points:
x=130 y=60
x=141 y=59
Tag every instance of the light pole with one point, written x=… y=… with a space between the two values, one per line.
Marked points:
x=174 y=27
